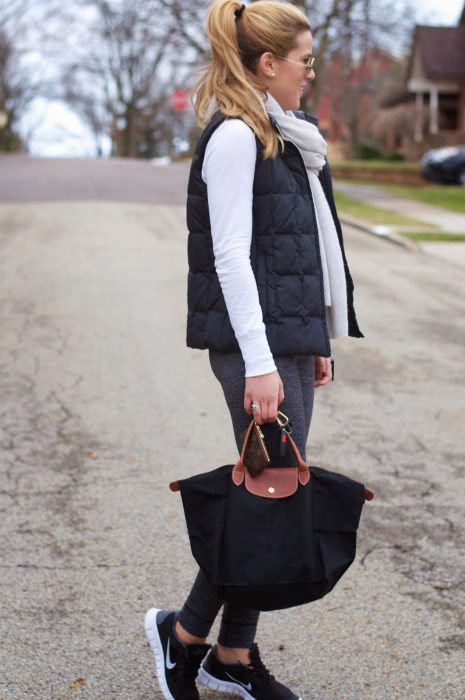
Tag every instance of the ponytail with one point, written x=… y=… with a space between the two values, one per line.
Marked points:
x=238 y=36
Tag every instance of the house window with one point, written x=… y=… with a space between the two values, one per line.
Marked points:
x=448 y=112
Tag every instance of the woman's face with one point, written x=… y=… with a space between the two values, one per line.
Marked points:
x=287 y=77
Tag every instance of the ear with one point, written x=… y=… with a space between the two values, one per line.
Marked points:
x=266 y=66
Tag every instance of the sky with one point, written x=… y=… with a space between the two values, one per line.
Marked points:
x=442 y=11
x=55 y=131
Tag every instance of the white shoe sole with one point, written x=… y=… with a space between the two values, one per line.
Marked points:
x=151 y=630
x=223 y=686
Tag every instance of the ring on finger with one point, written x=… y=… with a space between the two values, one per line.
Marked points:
x=255 y=406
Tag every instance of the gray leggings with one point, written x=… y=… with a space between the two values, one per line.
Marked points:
x=239 y=625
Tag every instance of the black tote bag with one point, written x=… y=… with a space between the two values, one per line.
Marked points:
x=280 y=539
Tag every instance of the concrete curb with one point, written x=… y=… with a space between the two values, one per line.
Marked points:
x=384 y=232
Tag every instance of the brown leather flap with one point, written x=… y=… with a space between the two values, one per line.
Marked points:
x=273 y=482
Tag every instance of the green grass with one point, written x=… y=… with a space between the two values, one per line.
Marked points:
x=378 y=165
x=374 y=215
x=450 y=197
x=435 y=236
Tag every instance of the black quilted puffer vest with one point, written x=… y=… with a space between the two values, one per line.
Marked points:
x=285 y=258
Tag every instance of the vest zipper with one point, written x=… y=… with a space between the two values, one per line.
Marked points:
x=317 y=242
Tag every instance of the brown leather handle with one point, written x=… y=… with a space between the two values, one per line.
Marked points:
x=239 y=468
x=246 y=441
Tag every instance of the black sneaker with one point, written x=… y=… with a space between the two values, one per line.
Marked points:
x=177 y=663
x=252 y=682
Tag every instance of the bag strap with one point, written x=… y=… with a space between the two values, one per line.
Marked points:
x=239 y=469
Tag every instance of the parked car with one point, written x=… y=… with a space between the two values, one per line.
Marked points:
x=445 y=165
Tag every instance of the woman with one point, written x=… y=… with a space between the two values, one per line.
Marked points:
x=268 y=286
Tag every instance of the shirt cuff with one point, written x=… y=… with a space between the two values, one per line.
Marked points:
x=257 y=357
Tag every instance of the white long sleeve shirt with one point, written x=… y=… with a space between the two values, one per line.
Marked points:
x=228 y=171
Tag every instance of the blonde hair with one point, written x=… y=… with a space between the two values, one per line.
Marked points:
x=238 y=37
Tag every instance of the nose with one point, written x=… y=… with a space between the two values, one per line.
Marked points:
x=311 y=76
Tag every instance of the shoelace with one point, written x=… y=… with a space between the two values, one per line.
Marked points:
x=259 y=669
x=188 y=665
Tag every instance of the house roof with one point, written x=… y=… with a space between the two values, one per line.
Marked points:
x=396 y=97
x=442 y=51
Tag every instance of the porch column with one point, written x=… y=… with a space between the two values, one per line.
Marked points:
x=433 y=110
x=462 y=108
x=419 y=117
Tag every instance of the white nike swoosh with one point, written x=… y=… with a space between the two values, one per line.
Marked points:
x=169 y=663
x=247 y=687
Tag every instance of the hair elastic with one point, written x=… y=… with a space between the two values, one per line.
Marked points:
x=239 y=12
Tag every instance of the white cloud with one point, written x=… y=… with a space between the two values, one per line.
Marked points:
x=432 y=11
x=53 y=130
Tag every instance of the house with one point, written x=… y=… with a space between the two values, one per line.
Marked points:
x=430 y=110
x=436 y=77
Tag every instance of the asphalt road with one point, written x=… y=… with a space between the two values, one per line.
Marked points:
x=102 y=405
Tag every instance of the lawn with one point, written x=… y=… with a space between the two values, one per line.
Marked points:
x=450 y=197
x=379 y=165
x=435 y=236
x=374 y=215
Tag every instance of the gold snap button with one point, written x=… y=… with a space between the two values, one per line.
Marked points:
x=271 y=489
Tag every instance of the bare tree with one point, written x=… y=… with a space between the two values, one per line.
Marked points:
x=21 y=80
x=12 y=13
x=188 y=21
x=117 y=73
x=14 y=85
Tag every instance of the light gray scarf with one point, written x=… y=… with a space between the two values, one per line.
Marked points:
x=312 y=146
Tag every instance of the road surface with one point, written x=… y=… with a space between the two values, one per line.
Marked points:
x=102 y=405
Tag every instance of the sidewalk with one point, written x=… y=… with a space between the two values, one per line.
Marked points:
x=443 y=219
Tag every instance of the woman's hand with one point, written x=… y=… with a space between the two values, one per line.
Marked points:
x=322 y=371
x=265 y=391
